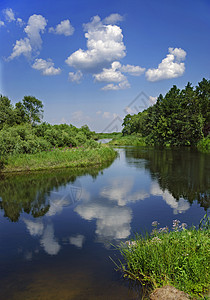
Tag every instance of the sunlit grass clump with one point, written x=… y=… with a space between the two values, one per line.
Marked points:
x=178 y=257
x=60 y=158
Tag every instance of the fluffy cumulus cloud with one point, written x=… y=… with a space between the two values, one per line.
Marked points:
x=46 y=66
x=111 y=75
x=23 y=47
x=114 y=75
x=9 y=14
x=75 y=76
x=170 y=67
x=33 y=42
x=104 y=45
x=36 y=25
x=2 y=23
x=105 y=48
x=64 y=28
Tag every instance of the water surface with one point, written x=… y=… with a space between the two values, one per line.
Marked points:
x=57 y=227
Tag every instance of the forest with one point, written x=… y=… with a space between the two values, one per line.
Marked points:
x=180 y=118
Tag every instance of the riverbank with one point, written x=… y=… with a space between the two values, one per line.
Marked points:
x=134 y=140
x=179 y=257
x=59 y=158
x=127 y=140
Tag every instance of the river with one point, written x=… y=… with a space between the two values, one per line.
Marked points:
x=58 y=228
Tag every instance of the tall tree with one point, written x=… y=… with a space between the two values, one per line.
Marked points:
x=33 y=108
x=6 y=112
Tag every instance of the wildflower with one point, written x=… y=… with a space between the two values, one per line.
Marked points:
x=176 y=225
x=155 y=223
x=163 y=230
x=131 y=243
x=183 y=226
x=156 y=239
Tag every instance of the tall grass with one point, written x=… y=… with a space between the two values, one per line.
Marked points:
x=131 y=140
x=179 y=257
x=60 y=158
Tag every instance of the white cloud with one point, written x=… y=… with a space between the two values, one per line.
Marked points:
x=64 y=27
x=48 y=241
x=20 y=22
x=170 y=67
x=98 y=112
x=120 y=191
x=75 y=77
x=77 y=240
x=132 y=70
x=178 y=206
x=22 y=46
x=111 y=75
x=105 y=48
x=113 y=19
x=36 y=25
x=121 y=86
x=104 y=45
x=9 y=14
x=47 y=67
x=2 y=23
x=113 y=222
x=114 y=75
x=34 y=227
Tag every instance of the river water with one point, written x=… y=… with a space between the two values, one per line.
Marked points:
x=57 y=228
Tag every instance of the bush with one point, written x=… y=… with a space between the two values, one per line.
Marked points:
x=204 y=145
x=21 y=139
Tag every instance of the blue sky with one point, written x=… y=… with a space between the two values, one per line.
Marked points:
x=88 y=60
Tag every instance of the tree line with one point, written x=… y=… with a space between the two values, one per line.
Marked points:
x=180 y=118
x=22 y=130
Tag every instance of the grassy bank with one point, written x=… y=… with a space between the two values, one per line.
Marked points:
x=179 y=257
x=128 y=140
x=59 y=158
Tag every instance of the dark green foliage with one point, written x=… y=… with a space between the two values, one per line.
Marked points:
x=21 y=139
x=7 y=115
x=26 y=138
x=181 y=118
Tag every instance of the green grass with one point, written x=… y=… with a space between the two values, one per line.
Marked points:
x=59 y=158
x=130 y=140
x=179 y=257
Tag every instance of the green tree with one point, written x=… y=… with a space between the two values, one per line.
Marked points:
x=203 y=94
x=6 y=112
x=33 y=109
